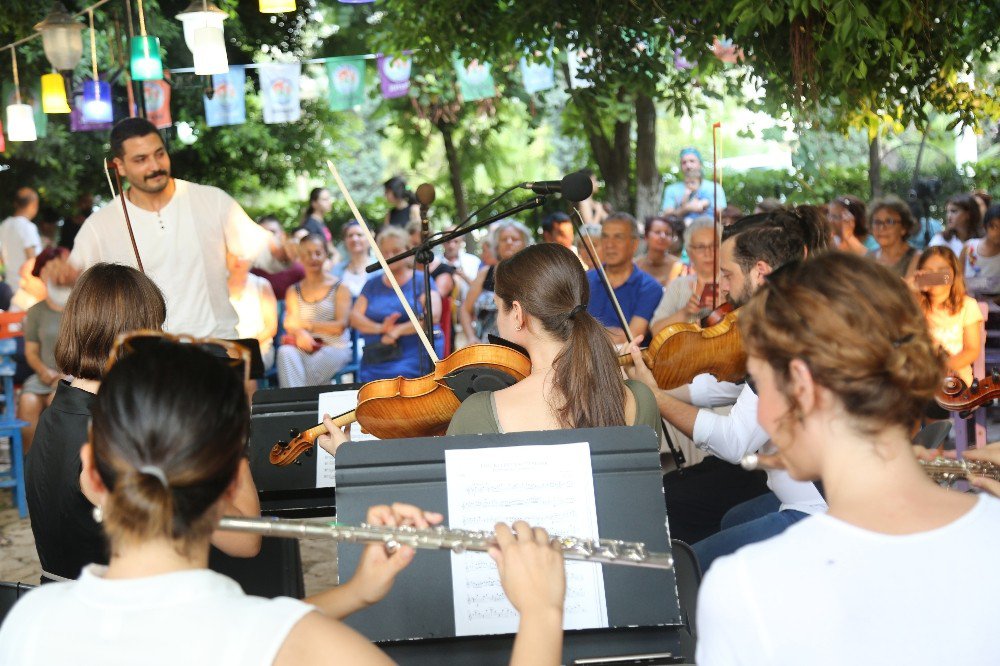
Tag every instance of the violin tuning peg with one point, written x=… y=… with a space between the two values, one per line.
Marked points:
x=975 y=385
x=309 y=452
x=298 y=461
x=294 y=432
x=995 y=374
x=282 y=444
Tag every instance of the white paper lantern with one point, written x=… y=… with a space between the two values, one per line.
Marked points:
x=210 y=51
x=21 y=123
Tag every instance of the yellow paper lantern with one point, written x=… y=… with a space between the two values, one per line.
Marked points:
x=54 y=94
x=276 y=6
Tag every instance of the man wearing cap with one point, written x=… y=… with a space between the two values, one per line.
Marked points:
x=693 y=196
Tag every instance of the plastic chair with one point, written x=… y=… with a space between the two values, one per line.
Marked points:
x=352 y=366
x=10 y=425
x=977 y=422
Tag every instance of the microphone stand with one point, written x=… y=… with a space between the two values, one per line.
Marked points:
x=425 y=256
x=430 y=244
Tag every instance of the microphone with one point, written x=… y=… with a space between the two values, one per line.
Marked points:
x=426 y=195
x=575 y=187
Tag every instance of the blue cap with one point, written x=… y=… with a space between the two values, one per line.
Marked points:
x=691 y=151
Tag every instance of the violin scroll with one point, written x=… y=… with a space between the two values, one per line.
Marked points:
x=955 y=396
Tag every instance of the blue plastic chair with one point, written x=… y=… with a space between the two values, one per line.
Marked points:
x=10 y=425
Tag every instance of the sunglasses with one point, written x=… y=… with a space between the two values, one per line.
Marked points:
x=235 y=355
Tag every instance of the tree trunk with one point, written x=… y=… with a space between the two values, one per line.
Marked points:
x=647 y=177
x=454 y=171
x=875 y=168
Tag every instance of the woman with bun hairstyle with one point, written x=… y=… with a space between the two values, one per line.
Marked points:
x=166 y=456
x=843 y=366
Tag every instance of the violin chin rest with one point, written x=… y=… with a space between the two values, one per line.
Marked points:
x=467 y=381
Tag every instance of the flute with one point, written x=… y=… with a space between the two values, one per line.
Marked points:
x=941 y=470
x=603 y=551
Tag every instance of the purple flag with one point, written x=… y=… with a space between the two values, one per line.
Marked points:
x=394 y=75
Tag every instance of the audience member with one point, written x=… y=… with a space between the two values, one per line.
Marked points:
x=658 y=261
x=466 y=264
x=693 y=196
x=849 y=217
x=317 y=343
x=686 y=298
x=19 y=238
x=443 y=275
x=892 y=223
x=953 y=317
x=314 y=221
x=637 y=292
x=404 y=207
x=962 y=222
x=479 y=311
x=591 y=210
x=392 y=347
x=256 y=308
x=731 y=215
x=558 y=228
x=352 y=271
x=984 y=200
x=593 y=232
x=981 y=256
x=288 y=272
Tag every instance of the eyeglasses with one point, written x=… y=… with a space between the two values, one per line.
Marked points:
x=700 y=248
x=884 y=223
x=233 y=354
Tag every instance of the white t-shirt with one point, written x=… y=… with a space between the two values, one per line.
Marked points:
x=183 y=250
x=955 y=243
x=827 y=592
x=948 y=330
x=732 y=436
x=17 y=234
x=185 y=617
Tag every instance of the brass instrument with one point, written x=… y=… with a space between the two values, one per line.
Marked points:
x=944 y=471
x=603 y=551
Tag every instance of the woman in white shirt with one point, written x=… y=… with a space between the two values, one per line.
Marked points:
x=962 y=222
x=843 y=366
x=167 y=449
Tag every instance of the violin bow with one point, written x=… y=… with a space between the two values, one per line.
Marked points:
x=716 y=213
x=385 y=266
x=109 y=165
x=589 y=247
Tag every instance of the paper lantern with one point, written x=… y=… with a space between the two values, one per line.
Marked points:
x=21 y=123
x=276 y=6
x=210 y=51
x=146 y=63
x=200 y=14
x=97 y=102
x=54 y=94
x=61 y=38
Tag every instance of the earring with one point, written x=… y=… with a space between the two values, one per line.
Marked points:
x=518 y=327
x=98 y=514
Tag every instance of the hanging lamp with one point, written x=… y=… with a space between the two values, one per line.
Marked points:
x=20 y=117
x=276 y=6
x=146 y=62
x=61 y=38
x=54 y=94
x=96 y=93
x=200 y=14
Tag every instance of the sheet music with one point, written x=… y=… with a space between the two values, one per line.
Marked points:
x=548 y=486
x=334 y=403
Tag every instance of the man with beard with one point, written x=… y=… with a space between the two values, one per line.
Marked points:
x=700 y=497
x=182 y=234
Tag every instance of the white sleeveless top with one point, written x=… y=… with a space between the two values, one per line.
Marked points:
x=184 y=617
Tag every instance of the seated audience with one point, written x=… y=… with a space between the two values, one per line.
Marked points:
x=557 y=228
x=953 y=317
x=107 y=300
x=981 y=256
x=256 y=307
x=443 y=275
x=317 y=343
x=891 y=224
x=392 y=347
x=314 y=221
x=963 y=221
x=843 y=365
x=289 y=273
x=849 y=217
x=479 y=313
x=351 y=271
x=164 y=462
x=638 y=292
x=658 y=261
x=684 y=298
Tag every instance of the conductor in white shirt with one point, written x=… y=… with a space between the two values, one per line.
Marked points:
x=19 y=239
x=182 y=234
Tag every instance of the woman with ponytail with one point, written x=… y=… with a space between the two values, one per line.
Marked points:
x=541 y=295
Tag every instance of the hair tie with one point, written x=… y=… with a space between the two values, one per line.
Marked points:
x=575 y=311
x=154 y=471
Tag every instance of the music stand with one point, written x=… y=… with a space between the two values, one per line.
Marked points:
x=415 y=622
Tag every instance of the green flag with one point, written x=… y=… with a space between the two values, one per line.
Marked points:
x=346 y=82
x=474 y=80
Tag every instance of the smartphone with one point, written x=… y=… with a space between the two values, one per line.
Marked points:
x=931 y=279
x=708 y=294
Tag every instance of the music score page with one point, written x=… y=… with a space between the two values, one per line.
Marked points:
x=335 y=403
x=549 y=486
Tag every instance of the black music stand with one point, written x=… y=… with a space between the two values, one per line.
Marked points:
x=415 y=623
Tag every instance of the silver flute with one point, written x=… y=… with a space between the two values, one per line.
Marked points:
x=603 y=551
x=945 y=471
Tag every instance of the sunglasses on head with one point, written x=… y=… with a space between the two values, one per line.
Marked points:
x=235 y=355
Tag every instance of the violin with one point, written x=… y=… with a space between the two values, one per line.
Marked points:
x=419 y=407
x=682 y=351
x=955 y=396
